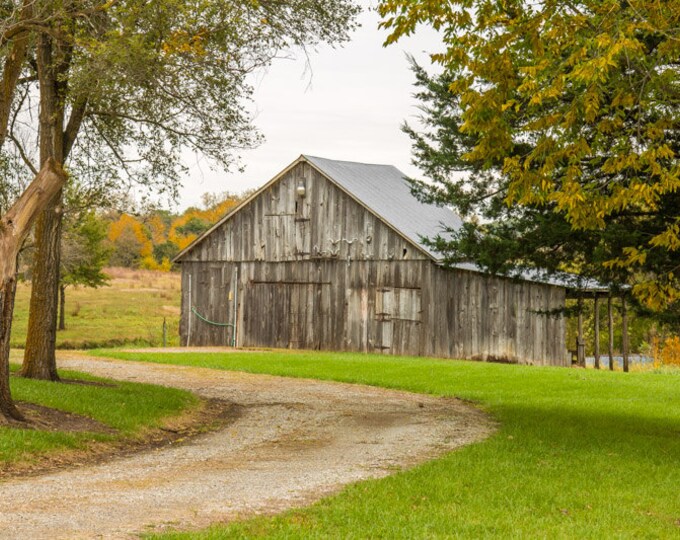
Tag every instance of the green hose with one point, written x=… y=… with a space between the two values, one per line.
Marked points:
x=222 y=325
x=193 y=310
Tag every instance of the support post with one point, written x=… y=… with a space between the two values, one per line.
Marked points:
x=189 y=315
x=596 y=350
x=165 y=333
x=610 y=314
x=580 y=342
x=624 y=332
x=235 y=320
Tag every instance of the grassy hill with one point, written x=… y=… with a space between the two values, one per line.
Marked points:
x=129 y=311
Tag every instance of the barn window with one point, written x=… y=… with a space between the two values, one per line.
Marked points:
x=398 y=303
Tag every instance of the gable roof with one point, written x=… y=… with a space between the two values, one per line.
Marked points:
x=384 y=190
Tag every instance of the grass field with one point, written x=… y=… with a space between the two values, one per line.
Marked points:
x=130 y=311
x=129 y=408
x=578 y=454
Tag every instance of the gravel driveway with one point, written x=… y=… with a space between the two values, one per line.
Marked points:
x=294 y=442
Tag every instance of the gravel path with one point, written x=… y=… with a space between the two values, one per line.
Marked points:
x=294 y=442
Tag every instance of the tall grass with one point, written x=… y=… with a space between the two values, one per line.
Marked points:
x=129 y=311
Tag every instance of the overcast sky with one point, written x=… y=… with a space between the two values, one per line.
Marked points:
x=350 y=107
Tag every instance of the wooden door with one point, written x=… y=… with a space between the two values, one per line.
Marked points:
x=384 y=324
x=284 y=315
x=398 y=315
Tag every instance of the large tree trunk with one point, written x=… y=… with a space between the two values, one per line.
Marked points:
x=40 y=352
x=62 y=307
x=7 y=408
x=14 y=227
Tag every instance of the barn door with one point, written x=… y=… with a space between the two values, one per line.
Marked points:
x=266 y=308
x=398 y=320
x=303 y=232
x=384 y=311
x=283 y=315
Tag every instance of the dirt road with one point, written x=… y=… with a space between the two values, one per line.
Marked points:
x=294 y=442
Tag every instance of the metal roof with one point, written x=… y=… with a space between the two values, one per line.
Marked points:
x=385 y=191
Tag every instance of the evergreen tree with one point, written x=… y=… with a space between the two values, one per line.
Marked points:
x=566 y=122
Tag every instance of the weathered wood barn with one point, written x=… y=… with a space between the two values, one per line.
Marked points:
x=329 y=255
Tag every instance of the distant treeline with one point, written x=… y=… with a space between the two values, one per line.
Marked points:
x=151 y=240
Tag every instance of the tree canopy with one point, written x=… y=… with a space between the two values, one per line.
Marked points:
x=567 y=113
x=142 y=84
x=118 y=91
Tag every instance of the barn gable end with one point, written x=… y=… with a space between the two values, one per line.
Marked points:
x=276 y=224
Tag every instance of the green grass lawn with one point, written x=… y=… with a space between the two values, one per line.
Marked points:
x=579 y=454
x=129 y=408
x=129 y=311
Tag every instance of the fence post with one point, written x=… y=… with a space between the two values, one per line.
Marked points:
x=610 y=315
x=624 y=332
x=596 y=352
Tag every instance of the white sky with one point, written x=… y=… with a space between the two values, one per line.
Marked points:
x=350 y=107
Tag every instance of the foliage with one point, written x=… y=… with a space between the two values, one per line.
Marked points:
x=568 y=111
x=194 y=221
x=578 y=453
x=139 y=82
x=666 y=351
x=84 y=254
x=165 y=251
x=150 y=241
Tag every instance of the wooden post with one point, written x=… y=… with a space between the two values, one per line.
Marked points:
x=596 y=351
x=610 y=313
x=624 y=330
x=580 y=342
x=165 y=333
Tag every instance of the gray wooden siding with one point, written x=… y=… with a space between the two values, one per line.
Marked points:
x=322 y=272
x=326 y=224
x=400 y=307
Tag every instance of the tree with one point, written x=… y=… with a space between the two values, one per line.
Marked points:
x=125 y=87
x=84 y=256
x=570 y=109
x=15 y=225
x=129 y=241
x=570 y=113
x=16 y=221
x=165 y=252
x=195 y=221
x=499 y=237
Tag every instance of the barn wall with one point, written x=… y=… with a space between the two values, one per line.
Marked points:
x=280 y=226
x=394 y=307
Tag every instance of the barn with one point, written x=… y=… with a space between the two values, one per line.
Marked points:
x=329 y=255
